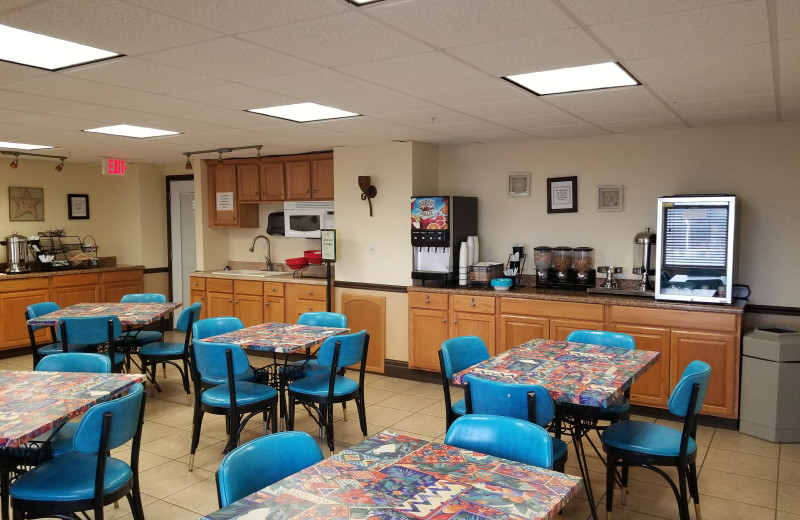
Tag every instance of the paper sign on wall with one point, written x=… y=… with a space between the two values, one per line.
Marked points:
x=328 y=246
x=224 y=201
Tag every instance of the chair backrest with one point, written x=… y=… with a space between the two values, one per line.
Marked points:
x=75 y=362
x=208 y=327
x=603 y=338
x=462 y=352
x=695 y=372
x=323 y=319
x=209 y=359
x=126 y=412
x=40 y=309
x=188 y=316
x=487 y=397
x=262 y=462
x=505 y=437
x=144 y=298
x=89 y=330
x=351 y=350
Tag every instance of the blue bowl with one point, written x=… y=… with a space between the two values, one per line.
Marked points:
x=501 y=283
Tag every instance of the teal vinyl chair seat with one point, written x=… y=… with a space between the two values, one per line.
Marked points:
x=318 y=385
x=262 y=462
x=311 y=366
x=505 y=437
x=65 y=485
x=202 y=329
x=246 y=394
x=458 y=354
x=646 y=437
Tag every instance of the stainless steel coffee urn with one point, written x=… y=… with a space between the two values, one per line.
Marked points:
x=643 y=244
x=16 y=253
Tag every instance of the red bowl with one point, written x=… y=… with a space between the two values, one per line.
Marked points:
x=297 y=263
x=314 y=256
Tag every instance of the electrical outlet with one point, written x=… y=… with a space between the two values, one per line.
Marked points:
x=371 y=248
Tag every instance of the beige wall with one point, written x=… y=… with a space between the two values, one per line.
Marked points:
x=758 y=163
x=127 y=213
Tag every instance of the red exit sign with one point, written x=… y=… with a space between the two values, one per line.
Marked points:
x=114 y=166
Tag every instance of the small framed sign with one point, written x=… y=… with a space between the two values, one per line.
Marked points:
x=519 y=184
x=78 y=206
x=562 y=195
x=328 y=244
x=609 y=198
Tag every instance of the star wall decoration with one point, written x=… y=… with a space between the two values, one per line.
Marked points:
x=25 y=204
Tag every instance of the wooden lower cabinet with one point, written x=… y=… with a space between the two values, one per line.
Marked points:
x=428 y=328
x=76 y=288
x=15 y=296
x=241 y=298
x=522 y=320
x=653 y=388
x=302 y=298
x=368 y=312
x=274 y=302
x=116 y=284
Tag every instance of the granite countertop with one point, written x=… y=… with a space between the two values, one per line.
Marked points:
x=287 y=277
x=561 y=295
x=66 y=272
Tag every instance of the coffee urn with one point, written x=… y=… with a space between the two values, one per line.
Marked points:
x=643 y=244
x=16 y=253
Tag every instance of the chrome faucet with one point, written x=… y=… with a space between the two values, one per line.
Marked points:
x=269 y=250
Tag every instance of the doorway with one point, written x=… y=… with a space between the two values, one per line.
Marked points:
x=181 y=236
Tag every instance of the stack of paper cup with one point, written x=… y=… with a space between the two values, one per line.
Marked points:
x=476 y=257
x=463 y=268
x=470 y=250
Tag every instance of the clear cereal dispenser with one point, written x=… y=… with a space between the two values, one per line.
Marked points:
x=583 y=259
x=562 y=260
x=542 y=259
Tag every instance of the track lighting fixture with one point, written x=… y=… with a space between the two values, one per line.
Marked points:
x=15 y=163
x=220 y=151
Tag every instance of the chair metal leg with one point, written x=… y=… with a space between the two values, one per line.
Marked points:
x=344 y=411
x=695 y=493
x=611 y=471
x=196 y=423
x=624 y=483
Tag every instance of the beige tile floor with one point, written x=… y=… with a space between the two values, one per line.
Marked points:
x=740 y=477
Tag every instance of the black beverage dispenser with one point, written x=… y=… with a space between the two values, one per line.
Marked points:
x=439 y=225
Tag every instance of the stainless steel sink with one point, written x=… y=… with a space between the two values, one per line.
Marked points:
x=250 y=272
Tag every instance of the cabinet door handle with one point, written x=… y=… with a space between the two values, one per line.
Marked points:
x=273 y=289
x=266 y=303
x=455 y=321
x=444 y=320
x=473 y=302
x=202 y=299
x=310 y=292
x=313 y=191
x=229 y=301
x=306 y=191
x=235 y=301
x=427 y=298
x=234 y=218
x=309 y=308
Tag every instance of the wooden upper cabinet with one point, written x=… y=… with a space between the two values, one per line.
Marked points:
x=261 y=182
x=298 y=180
x=249 y=182
x=224 y=209
x=322 y=179
x=272 y=181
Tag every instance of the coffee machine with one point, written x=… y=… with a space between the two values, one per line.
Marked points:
x=439 y=224
x=16 y=253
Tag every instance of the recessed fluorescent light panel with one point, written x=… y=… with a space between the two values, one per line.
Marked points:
x=44 y=52
x=575 y=79
x=23 y=146
x=140 y=132
x=304 y=112
x=363 y=2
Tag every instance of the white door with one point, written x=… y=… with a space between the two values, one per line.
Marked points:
x=182 y=234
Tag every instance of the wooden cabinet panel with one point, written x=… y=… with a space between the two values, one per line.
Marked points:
x=516 y=330
x=368 y=312
x=249 y=308
x=721 y=352
x=14 y=300
x=199 y=296
x=427 y=330
x=304 y=305
x=560 y=329
x=672 y=319
x=483 y=304
x=248 y=182
x=273 y=186
x=76 y=288
x=473 y=324
x=322 y=179
x=223 y=185
x=298 y=180
x=428 y=300
x=652 y=389
x=273 y=289
x=219 y=304
x=197 y=283
x=552 y=309
x=274 y=309
x=116 y=284
x=311 y=292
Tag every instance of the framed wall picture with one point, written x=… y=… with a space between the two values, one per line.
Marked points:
x=519 y=184
x=25 y=204
x=609 y=198
x=78 y=206
x=562 y=195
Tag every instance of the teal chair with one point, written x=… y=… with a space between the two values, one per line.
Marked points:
x=54 y=346
x=237 y=400
x=202 y=329
x=650 y=445
x=262 y=462
x=88 y=478
x=134 y=339
x=95 y=333
x=527 y=402
x=456 y=355
x=321 y=391
x=505 y=437
x=61 y=440
x=311 y=366
x=169 y=352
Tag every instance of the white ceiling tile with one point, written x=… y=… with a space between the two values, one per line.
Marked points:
x=106 y=114
x=466 y=128
x=604 y=11
x=338 y=40
x=730 y=61
x=644 y=124
x=65 y=87
x=11 y=115
x=504 y=109
x=791 y=112
x=788 y=15
x=142 y=75
x=61 y=123
x=317 y=85
x=469 y=92
x=379 y=100
x=112 y=25
x=11 y=72
x=356 y=125
x=789 y=61
x=606 y=100
x=712 y=88
x=431 y=116
x=35 y=103
x=230 y=59
x=245 y=15
x=732 y=118
x=235 y=96
x=555 y=132
x=553 y=50
x=455 y=23
x=722 y=105
x=527 y=121
x=168 y=106
x=731 y=25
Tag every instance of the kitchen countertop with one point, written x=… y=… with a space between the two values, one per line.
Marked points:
x=281 y=278
x=535 y=293
x=66 y=272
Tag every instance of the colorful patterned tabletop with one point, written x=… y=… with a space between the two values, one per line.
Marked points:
x=32 y=403
x=282 y=338
x=392 y=476
x=129 y=314
x=573 y=372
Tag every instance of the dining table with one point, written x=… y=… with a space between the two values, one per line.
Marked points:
x=279 y=338
x=590 y=376
x=396 y=476
x=34 y=403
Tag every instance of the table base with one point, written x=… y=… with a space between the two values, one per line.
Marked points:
x=577 y=421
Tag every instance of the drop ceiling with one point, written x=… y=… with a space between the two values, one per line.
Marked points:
x=423 y=70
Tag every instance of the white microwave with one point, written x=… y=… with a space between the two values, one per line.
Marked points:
x=305 y=219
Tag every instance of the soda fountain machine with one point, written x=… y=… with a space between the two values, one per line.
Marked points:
x=439 y=224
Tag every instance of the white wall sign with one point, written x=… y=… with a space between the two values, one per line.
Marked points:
x=328 y=244
x=224 y=201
